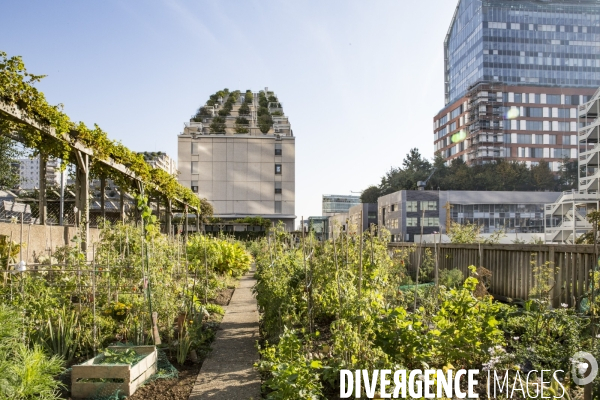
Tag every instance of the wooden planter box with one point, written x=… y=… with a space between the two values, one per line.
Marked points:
x=132 y=376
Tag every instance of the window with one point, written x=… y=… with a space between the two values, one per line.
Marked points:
x=535 y=112
x=566 y=139
x=551 y=139
x=453 y=126
x=277 y=169
x=456 y=112
x=428 y=206
x=414 y=221
x=277 y=149
x=534 y=125
x=537 y=152
x=194 y=186
x=539 y=139
x=278 y=207
x=278 y=187
x=392 y=207
x=523 y=138
x=562 y=153
x=411 y=206
x=553 y=99
x=194 y=167
x=194 y=148
x=518 y=98
x=431 y=221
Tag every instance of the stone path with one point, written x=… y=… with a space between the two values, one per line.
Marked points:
x=228 y=372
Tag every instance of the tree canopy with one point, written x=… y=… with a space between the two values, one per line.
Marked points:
x=498 y=176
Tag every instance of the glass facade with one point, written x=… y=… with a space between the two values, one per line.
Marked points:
x=525 y=218
x=336 y=204
x=550 y=43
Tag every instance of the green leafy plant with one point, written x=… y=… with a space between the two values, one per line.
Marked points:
x=25 y=373
x=127 y=356
x=60 y=335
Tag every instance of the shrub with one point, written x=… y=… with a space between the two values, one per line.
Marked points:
x=222 y=256
x=218 y=125
x=451 y=278
x=244 y=109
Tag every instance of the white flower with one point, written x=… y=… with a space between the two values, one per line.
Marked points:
x=564 y=305
x=516 y=338
x=598 y=336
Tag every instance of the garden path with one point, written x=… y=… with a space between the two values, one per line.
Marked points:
x=228 y=372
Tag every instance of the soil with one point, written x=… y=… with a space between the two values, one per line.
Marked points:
x=223 y=298
x=167 y=389
x=170 y=389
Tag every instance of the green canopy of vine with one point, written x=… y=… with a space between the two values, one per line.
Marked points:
x=17 y=89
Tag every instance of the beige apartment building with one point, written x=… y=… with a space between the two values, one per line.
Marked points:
x=238 y=152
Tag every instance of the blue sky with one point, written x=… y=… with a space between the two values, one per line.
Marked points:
x=360 y=80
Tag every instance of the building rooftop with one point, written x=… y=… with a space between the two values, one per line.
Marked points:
x=240 y=113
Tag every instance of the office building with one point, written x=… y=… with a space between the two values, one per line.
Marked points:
x=335 y=204
x=409 y=213
x=158 y=159
x=238 y=152
x=29 y=173
x=515 y=72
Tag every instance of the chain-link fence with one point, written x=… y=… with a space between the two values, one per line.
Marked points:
x=15 y=209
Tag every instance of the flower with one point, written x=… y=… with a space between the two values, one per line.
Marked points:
x=516 y=338
x=564 y=305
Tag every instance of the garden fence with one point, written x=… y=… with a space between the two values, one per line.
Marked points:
x=512 y=266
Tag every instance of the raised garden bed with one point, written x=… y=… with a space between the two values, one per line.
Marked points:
x=92 y=376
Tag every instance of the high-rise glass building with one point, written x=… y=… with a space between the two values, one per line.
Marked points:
x=548 y=43
x=508 y=61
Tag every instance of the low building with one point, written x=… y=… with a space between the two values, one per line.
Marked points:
x=362 y=216
x=338 y=224
x=336 y=204
x=319 y=226
x=408 y=214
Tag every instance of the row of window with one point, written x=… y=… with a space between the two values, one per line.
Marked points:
x=194 y=187
x=411 y=206
x=536 y=152
x=539 y=27
x=527 y=98
x=194 y=149
x=427 y=221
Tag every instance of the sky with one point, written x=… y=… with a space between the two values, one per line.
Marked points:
x=359 y=80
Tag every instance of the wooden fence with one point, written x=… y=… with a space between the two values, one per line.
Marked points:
x=512 y=266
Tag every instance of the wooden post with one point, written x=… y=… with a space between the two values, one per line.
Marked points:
x=102 y=197
x=168 y=216
x=122 y=204
x=155 y=334
x=197 y=221
x=82 y=197
x=42 y=205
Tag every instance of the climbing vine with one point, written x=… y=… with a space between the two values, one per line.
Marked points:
x=17 y=88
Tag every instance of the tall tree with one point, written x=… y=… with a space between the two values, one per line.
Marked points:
x=542 y=177
x=370 y=195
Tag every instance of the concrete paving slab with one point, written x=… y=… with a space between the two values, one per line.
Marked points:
x=228 y=372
